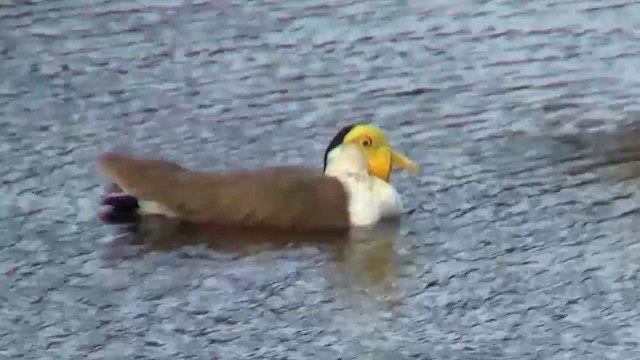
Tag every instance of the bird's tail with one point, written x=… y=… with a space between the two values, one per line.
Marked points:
x=118 y=207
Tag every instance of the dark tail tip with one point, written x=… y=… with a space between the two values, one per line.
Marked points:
x=118 y=209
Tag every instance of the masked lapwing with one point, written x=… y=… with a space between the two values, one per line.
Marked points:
x=353 y=190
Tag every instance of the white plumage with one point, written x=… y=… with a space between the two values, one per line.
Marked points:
x=370 y=198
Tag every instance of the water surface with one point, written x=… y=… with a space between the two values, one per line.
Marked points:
x=523 y=244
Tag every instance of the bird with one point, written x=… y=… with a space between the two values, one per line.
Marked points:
x=353 y=190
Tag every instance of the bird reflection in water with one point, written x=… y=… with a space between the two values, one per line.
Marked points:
x=363 y=259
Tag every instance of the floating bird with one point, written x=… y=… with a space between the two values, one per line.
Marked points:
x=353 y=190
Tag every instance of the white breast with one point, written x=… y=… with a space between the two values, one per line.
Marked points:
x=370 y=198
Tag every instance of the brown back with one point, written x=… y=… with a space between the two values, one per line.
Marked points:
x=280 y=197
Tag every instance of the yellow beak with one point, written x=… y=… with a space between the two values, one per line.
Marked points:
x=386 y=159
x=401 y=161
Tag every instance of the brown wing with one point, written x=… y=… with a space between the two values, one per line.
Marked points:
x=281 y=197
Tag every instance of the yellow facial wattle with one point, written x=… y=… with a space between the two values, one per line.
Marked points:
x=382 y=158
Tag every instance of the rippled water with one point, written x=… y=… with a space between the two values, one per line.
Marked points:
x=523 y=115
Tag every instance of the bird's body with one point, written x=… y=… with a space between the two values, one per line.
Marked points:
x=345 y=195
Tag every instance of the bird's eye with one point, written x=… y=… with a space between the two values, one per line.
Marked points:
x=366 y=142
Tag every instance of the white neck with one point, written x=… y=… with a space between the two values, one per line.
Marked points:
x=346 y=159
x=370 y=198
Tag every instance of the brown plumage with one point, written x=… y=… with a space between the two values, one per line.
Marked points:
x=278 y=197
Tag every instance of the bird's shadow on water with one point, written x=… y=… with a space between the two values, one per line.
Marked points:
x=364 y=260
x=613 y=156
x=609 y=155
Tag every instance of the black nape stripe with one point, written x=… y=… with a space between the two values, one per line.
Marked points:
x=337 y=140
